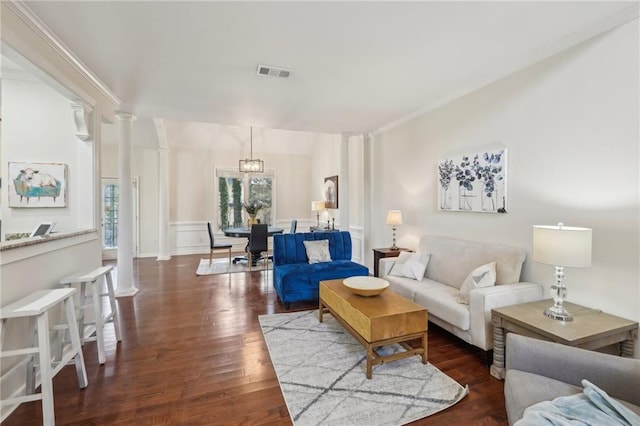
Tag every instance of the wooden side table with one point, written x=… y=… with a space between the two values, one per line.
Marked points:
x=590 y=329
x=379 y=253
x=322 y=229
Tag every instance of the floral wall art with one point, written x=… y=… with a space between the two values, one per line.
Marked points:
x=475 y=182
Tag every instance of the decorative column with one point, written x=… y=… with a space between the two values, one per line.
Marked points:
x=125 y=286
x=367 y=178
x=88 y=166
x=163 y=192
x=343 y=183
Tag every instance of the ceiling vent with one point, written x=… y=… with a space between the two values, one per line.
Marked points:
x=271 y=71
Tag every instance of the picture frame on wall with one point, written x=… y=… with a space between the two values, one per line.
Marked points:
x=331 y=192
x=35 y=185
x=474 y=181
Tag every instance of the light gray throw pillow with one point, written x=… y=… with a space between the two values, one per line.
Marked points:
x=317 y=251
x=410 y=265
x=482 y=276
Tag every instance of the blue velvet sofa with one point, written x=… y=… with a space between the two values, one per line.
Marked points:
x=295 y=279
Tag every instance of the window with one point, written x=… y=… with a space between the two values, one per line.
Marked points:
x=110 y=195
x=231 y=189
x=111 y=218
x=260 y=190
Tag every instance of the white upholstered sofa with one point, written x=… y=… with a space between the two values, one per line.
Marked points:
x=450 y=262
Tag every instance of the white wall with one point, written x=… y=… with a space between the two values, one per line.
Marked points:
x=326 y=158
x=300 y=160
x=326 y=163
x=571 y=126
x=144 y=166
x=356 y=184
x=37 y=127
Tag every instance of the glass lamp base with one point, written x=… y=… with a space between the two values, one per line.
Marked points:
x=394 y=246
x=558 y=313
x=559 y=291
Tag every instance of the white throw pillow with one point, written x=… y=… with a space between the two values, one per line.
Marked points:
x=396 y=269
x=482 y=276
x=317 y=251
x=410 y=265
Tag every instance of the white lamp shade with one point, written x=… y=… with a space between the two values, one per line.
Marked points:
x=317 y=206
x=562 y=246
x=394 y=217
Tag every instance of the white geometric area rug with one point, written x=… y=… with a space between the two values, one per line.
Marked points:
x=321 y=370
x=221 y=266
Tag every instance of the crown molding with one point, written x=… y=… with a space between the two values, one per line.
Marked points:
x=526 y=60
x=23 y=12
x=18 y=75
x=125 y=116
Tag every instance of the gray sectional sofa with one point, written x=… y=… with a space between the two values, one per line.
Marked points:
x=451 y=260
x=542 y=371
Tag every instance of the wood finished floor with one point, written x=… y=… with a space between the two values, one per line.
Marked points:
x=192 y=354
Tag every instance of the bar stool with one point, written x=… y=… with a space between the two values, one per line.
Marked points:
x=96 y=278
x=37 y=306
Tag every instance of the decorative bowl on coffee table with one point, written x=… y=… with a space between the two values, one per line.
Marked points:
x=366 y=286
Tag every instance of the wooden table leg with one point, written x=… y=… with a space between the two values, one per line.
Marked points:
x=320 y=311
x=31 y=367
x=627 y=348
x=74 y=336
x=424 y=348
x=497 y=368
x=46 y=372
x=81 y=308
x=369 y=360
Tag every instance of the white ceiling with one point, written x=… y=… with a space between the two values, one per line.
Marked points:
x=357 y=66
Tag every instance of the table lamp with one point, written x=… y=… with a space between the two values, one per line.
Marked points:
x=394 y=218
x=561 y=246
x=317 y=206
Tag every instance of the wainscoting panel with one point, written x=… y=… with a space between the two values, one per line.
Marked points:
x=357 y=242
x=193 y=238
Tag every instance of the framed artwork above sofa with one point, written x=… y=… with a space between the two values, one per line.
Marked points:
x=474 y=182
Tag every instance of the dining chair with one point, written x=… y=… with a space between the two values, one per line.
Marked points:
x=257 y=242
x=294 y=226
x=213 y=246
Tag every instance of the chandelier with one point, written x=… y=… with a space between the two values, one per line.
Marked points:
x=251 y=165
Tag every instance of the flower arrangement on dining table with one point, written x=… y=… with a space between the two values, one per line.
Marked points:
x=252 y=208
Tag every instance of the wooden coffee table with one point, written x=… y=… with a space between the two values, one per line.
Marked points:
x=376 y=321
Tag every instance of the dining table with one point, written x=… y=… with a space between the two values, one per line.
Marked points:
x=243 y=232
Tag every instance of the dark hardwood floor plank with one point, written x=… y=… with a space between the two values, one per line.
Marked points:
x=192 y=353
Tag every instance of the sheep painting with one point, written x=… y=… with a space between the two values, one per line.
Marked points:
x=34 y=178
x=37 y=185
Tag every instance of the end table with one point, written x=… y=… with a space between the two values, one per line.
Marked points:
x=591 y=329
x=322 y=229
x=379 y=253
